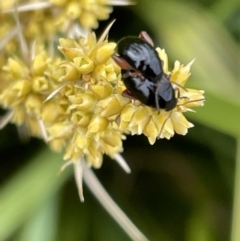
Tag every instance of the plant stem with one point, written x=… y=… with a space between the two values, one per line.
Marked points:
x=111 y=207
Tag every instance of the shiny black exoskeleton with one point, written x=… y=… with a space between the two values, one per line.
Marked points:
x=141 y=56
x=142 y=73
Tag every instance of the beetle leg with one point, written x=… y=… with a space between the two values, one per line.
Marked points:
x=128 y=94
x=178 y=93
x=156 y=96
x=144 y=35
x=164 y=123
x=123 y=64
x=136 y=74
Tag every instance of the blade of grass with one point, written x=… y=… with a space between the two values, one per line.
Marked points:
x=235 y=235
x=43 y=225
x=23 y=194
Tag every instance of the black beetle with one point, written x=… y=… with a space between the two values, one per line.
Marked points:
x=142 y=72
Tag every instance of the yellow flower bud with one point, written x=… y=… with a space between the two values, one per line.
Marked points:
x=127 y=113
x=56 y=144
x=40 y=63
x=21 y=88
x=167 y=130
x=111 y=105
x=63 y=107
x=16 y=68
x=94 y=156
x=19 y=115
x=73 y=153
x=68 y=90
x=81 y=118
x=70 y=48
x=73 y=10
x=180 y=73
x=68 y=72
x=103 y=53
x=88 y=20
x=34 y=127
x=88 y=43
x=164 y=58
x=80 y=140
x=49 y=111
x=83 y=64
x=39 y=84
x=60 y=130
x=151 y=132
x=97 y=124
x=180 y=123
x=140 y=118
x=101 y=91
x=33 y=104
x=82 y=101
x=112 y=138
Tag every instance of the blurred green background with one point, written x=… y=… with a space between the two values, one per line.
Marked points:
x=179 y=190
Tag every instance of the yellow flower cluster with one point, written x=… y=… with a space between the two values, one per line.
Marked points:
x=88 y=12
x=78 y=101
x=42 y=20
x=139 y=119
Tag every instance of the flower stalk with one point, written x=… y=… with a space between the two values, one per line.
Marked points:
x=110 y=206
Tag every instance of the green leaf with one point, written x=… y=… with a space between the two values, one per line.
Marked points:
x=26 y=191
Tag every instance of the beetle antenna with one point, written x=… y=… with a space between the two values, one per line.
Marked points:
x=192 y=101
x=180 y=86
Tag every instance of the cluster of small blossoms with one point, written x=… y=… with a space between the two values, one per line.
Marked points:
x=75 y=102
x=89 y=86
x=79 y=101
x=43 y=19
x=155 y=124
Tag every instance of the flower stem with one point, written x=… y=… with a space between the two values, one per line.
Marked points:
x=235 y=235
x=110 y=206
